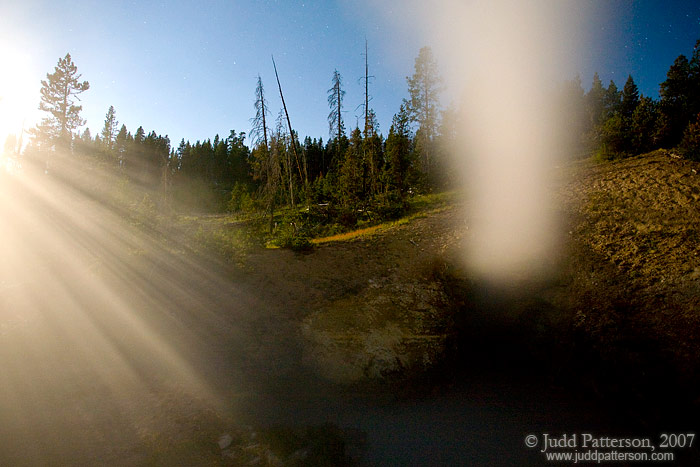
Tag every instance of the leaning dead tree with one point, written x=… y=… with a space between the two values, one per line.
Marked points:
x=289 y=124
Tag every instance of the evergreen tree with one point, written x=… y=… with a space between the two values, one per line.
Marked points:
x=222 y=172
x=109 y=131
x=121 y=143
x=372 y=148
x=643 y=127
x=351 y=175
x=675 y=94
x=423 y=105
x=611 y=101
x=10 y=147
x=630 y=98
x=237 y=167
x=694 y=72
x=398 y=154
x=59 y=93
x=595 y=102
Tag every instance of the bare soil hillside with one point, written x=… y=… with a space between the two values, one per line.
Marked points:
x=633 y=266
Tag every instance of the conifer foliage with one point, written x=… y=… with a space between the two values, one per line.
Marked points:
x=59 y=96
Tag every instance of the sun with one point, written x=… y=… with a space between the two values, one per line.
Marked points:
x=19 y=96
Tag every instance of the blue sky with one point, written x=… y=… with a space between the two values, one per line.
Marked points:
x=188 y=69
x=641 y=38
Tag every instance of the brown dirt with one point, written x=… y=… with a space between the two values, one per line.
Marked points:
x=370 y=306
x=635 y=264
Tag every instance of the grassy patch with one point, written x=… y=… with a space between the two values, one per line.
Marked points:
x=368 y=231
x=230 y=244
x=298 y=228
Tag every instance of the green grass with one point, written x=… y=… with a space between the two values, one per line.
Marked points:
x=297 y=228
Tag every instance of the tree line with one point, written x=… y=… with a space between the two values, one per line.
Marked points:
x=362 y=171
x=614 y=123
x=357 y=173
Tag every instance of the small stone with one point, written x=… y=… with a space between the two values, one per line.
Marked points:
x=225 y=441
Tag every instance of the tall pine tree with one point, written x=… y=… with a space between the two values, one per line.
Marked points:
x=109 y=131
x=423 y=105
x=59 y=93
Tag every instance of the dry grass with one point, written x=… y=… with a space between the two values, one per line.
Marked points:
x=368 y=231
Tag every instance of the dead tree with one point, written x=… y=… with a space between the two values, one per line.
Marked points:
x=289 y=124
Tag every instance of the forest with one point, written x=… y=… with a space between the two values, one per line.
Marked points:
x=355 y=177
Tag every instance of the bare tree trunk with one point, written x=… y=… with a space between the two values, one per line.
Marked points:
x=289 y=124
x=366 y=92
x=340 y=123
x=291 y=185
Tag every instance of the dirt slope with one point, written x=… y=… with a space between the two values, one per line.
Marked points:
x=635 y=264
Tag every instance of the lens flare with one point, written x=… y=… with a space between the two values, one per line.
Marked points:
x=503 y=61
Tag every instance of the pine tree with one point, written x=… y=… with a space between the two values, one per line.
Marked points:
x=595 y=102
x=121 y=143
x=611 y=101
x=351 y=176
x=675 y=102
x=59 y=93
x=398 y=154
x=370 y=117
x=694 y=77
x=643 y=128
x=423 y=105
x=372 y=148
x=109 y=131
x=630 y=98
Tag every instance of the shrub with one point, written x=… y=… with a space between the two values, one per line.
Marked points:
x=145 y=211
x=240 y=199
x=293 y=233
x=614 y=138
x=295 y=241
x=690 y=144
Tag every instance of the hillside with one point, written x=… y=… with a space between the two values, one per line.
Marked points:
x=634 y=268
x=141 y=351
